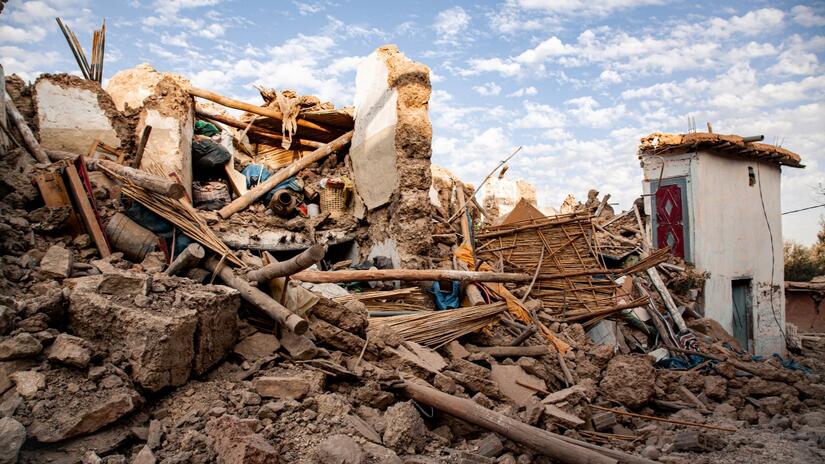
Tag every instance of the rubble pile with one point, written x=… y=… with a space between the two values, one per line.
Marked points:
x=299 y=284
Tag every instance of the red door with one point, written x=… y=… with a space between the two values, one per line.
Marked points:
x=669 y=228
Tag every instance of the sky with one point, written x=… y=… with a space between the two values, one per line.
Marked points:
x=576 y=83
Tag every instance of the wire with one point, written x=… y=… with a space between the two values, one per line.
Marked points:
x=803 y=209
x=773 y=252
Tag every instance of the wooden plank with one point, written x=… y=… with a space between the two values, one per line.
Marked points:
x=87 y=213
x=54 y=193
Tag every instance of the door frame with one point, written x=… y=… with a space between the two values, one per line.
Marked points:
x=749 y=302
x=682 y=183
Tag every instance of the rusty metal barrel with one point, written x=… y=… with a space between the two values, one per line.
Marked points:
x=134 y=240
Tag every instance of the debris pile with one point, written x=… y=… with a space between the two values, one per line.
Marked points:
x=299 y=284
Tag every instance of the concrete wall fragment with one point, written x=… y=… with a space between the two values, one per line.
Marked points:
x=390 y=153
x=72 y=113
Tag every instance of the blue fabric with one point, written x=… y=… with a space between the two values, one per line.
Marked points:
x=257 y=173
x=158 y=226
x=791 y=364
x=447 y=299
x=681 y=364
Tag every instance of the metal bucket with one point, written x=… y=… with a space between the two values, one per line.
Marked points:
x=134 y=240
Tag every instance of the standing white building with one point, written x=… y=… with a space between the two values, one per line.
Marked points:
x=715 y=199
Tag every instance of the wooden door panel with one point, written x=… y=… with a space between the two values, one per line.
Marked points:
x=670 y=230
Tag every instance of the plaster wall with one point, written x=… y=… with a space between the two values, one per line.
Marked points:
x=70 y=118
x=730 y=237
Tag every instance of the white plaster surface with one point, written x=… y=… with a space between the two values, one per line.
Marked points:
x=502 y=195
x=132 y=86
x=730 y=238
x=169 y=145
x=373 y=142
x=71 y=118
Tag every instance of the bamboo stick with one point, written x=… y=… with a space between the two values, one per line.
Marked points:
x=261 y=189
x=513 y=351
x=661 y=419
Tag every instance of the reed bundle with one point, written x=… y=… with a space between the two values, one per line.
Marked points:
x=436 y=329
x=178 y=212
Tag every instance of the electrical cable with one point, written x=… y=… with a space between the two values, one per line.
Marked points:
x=773 y=252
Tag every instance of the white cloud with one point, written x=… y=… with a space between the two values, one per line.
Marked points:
x=451 y=22
x=524 y=91
x=306 y=8
x=27 y=65
x=584 y=7
x=540 y=116
x=477 y=66
x=807 y=16
x=796 y=62
x=587 y=111
x=32 y=12
x=344 y=64
x=489 y=89
x=22 y=35
x=212 y=31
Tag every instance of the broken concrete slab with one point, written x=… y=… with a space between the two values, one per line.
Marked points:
x=70 y=350
x=509 y=380
x=184 y=330
x=564 y=418
x=89 y=418
x=256 y=346
x=57 y=262
x=73 y=112
x=287 y=387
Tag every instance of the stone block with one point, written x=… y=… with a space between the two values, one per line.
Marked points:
x=57 y=262
x=235 y=442
x=71 y=351
x=22 y=345
x=184 y=330
x=288 y=387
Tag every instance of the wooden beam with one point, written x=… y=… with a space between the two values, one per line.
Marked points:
x=203 y=112
x=188 y=259
x=261 y=189
x=557 y=447
x=305 y=259
x=408 y=275
x=87 y=213
x=261 y=110
x=513 y=351
x=257 y=298
x=162 y=186
x=28 y=137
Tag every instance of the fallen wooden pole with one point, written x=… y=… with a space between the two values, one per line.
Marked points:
x=668 y=300
x=188 y=259
x=407 y=275
x=261 y=110
x=515 y=351
x=554 y=446
x=238 y=124
x=143 y=179
x=524 y=336
x=28 y=137
x=261 y=189
x=661 y=419
x=259 y=299
x=305 y=259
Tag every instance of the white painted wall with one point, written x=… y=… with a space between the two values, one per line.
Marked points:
x=730 y=237
x=70 y=118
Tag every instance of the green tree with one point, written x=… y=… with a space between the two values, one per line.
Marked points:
x=804 y=263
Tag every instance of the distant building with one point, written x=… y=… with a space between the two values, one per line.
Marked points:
x=715 y=199
x=804 y=305
x=502 y=195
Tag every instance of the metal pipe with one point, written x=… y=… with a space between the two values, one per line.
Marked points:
x=753 y=138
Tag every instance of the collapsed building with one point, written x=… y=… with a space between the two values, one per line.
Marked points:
x=191 y=278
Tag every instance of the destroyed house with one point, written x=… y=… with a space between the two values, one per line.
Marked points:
x=715 y=201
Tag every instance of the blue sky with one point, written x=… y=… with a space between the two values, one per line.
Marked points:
x=576 y=82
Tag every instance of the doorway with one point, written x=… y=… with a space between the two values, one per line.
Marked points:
x=742 y=304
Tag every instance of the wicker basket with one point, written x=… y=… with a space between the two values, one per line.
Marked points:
x=333 y=199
